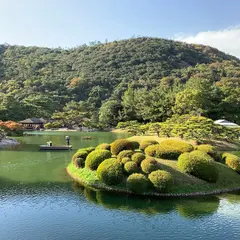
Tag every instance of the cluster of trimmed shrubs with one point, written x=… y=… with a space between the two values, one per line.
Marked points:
x=123 y=163
x=134 y=164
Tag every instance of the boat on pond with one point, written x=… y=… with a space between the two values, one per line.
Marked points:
x=60 y=148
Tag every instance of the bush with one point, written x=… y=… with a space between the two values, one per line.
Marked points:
x=137 y=182
x=89 y=149
x=80 y=154
x=79 y=162
x=126 y=159
x=123 y=154
x=161 y=180
x=152 y=150
x=104 y=146
x=210 y=150
x=138 y=157
x=110 y=172
x=232 y=161
x=95 y=158
x=149 y=165
x=135 y=144
x=120 y=145
x=147 y=143
x=198 y=164
x=172 y=149
x=131 y=167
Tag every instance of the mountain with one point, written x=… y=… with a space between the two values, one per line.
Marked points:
x=37 y=81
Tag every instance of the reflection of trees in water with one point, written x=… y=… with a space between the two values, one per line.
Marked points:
x=232 y=197
x=187 y=208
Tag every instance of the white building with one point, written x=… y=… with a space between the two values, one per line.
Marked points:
x=226 y=123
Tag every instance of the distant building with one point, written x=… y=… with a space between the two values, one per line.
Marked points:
x=226 y=123
x=33 y=123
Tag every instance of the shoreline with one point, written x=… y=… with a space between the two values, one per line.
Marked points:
x=149 y=194
x=8 y=142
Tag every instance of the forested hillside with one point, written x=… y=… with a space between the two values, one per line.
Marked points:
x=144 y=79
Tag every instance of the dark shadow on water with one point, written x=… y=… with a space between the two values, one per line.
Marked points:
x=185 y=207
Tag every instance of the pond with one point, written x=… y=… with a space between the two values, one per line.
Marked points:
x=39 y=201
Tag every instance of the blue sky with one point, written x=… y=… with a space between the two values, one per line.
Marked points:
x=68 y=23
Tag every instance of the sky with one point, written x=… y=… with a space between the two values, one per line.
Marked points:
x=70 y=23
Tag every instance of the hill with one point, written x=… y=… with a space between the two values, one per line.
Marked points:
x=38 y=81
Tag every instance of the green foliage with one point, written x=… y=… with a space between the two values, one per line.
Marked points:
x=137 y=182
x=124 y=154
x=138 y=157
x=161 y=180
x=152 y=150
x=131 y=167
x=79 y=162
x=80 y=154
x=147 y=143
x=120 y=145
x=126 y=159
x=135 y=144
x=210 y=150
x=232 y=161
x=95 y=158
x=172 y=149
x=104 y=146
x=89 y=149
x=110 y=172
x=149 y=165
x=198 y=164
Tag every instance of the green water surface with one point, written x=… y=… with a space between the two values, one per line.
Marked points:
x=39 y=201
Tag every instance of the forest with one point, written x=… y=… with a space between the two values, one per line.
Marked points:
x=101 y=84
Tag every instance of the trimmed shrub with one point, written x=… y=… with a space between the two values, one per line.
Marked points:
x=172 y=149
x=79 y=162
x=138 y=157
x=152 y=150
x=198 y=164
x=210 y=150
x=123 y=154
x=161 y=180
x=147 y=143
x=95 y=158
x=135 y=144
x=137 y=182
x=232 y=161
x=89 y=149
x=120 y=145
x=126 y=159
x=110 y=172
x=149 y=165
x=104 y=146
x=80 y=154
x=131 y=167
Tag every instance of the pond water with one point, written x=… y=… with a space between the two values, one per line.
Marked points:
x=39 y=201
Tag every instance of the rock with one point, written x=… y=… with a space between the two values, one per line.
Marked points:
x=8 y=142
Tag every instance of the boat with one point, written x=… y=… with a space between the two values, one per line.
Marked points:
x=63 y=147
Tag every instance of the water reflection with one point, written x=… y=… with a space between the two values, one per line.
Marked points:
x=185 y=207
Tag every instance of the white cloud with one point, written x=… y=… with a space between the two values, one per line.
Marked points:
x=226 y=40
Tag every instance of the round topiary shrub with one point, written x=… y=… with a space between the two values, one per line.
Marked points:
x=147 y=143
x=152 y=150
x=138 y=157
x=149 y=165
x=123 y=154
x=95 y=158
x=110 y=172
x=79 y=162
x=131 y=167
x=89 y=149
x=161 y=180
x=126 y=159
x=232 y=161
x=104 y=146
x=120 y=145
x=210 y=150
x=172 y=149
x=198 y=164
x=137 y=182
x=80 y=154
x=135 y=144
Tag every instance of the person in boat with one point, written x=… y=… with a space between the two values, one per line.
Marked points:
x=68 y=140
x=49 y=144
